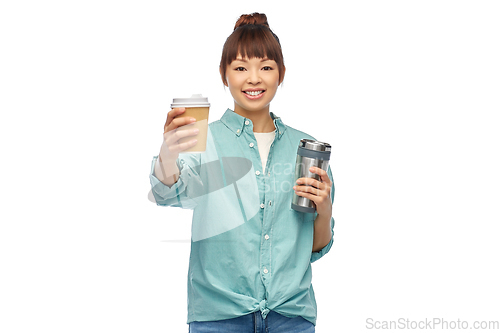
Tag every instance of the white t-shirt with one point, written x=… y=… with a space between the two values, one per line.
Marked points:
x=264 y=141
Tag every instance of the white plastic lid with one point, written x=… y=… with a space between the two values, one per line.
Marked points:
x=195 y=101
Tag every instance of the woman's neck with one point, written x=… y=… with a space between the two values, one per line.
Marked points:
x=261 y=120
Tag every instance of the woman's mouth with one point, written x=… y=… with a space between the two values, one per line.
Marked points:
x=254 y=94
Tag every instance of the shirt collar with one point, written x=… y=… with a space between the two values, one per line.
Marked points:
x=237 y=123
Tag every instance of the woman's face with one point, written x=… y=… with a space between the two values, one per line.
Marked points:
x=252 y=83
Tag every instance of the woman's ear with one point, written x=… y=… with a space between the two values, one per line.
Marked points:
x=283 y=77
x=224 y=80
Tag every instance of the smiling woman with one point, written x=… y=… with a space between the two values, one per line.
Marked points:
x=253 y=84
x=252 y=66
x=252 y=38
x=251 y=268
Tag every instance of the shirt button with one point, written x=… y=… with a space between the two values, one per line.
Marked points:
x=237 y=131
x=257 y=172
x=269 y=203
x=247 y=122
x=266 y=271
x=266 y=237
x=251 y=144
x=261 y=205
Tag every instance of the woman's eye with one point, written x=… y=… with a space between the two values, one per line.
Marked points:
x=240 y=69
x=267 y=68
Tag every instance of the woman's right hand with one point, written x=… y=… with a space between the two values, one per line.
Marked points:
x=174 y=130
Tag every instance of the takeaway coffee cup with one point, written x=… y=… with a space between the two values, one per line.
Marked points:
x=197 y=107
x=309 y=154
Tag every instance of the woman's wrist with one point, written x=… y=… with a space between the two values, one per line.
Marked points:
x=166 y=171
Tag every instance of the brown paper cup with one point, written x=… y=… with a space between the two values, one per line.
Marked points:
x=201 y=116
x=197 y=107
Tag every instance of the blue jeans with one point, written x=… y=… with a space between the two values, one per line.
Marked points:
x=253 y=323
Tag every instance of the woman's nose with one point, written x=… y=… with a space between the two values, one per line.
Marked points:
x=254 y=77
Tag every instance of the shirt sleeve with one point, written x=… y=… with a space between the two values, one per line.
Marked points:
x=316 y=255
x=179 y=194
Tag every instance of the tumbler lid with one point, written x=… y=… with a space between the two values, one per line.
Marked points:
x=314 y=145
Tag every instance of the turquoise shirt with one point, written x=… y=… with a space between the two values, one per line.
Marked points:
x=250 y=251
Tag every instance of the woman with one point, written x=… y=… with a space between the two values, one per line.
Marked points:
x=251 y=254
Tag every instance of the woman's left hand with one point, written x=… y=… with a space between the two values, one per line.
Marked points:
x=318 y=192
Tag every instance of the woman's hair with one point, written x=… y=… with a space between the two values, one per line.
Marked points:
x=252 y=38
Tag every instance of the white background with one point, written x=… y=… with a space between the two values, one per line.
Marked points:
x=407 y=93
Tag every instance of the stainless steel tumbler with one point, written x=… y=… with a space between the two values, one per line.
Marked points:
x=309 y=154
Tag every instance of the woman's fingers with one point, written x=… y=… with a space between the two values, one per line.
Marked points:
x=313 y=186
x=171 y=115
x=179 y=122
x=309 y=189
x=311 y=182
x=177 y=148
x=323 y=175
x=172 y=137
x=173 y=122
x=177 y=128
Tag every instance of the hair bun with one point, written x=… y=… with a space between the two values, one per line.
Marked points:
x=255 y=18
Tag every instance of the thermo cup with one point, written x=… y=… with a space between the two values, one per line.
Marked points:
x=309 y=154
x=197 y=107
